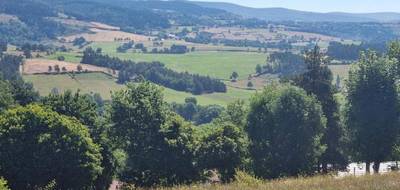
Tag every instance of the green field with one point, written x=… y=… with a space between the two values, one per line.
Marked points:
x=217 y=64
x=69 y=56
x=103 y=84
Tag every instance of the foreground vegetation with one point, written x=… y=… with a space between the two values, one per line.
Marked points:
x=100 y=83
x=245 y=182
x=72 y=140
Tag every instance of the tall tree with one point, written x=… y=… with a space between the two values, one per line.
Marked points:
x=394 y=53
x=39 y=146
x=84 y=108
x=158 y=143
x=285 y=127
x=317 y=80
x=373 y=109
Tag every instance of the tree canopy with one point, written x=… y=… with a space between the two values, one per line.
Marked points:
x=39 y=146
x=285 y=127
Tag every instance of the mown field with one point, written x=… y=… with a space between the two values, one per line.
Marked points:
x=218 y=64
x=371 y=182
x=103 y=84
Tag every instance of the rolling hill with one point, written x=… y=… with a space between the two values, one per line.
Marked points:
x=283 y=14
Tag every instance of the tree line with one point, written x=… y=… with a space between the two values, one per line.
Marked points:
x=339 y=51
x=282 y=63
x=156 y=73
x=293 y=129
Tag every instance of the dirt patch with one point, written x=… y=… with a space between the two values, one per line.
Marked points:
x=102 y=26
x=100 y=35
x=38 y=66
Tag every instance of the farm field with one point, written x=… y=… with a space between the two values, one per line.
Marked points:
x=212 y=63
x=103 y=84
x=37 y=66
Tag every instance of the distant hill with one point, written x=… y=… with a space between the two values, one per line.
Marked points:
x=282 y=14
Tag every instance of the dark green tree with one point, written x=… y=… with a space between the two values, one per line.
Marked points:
x=317 y=80
x=285 y=127
x=258 y=69
x=84 y=108
x=236 y=112
x=234 y=76
x=373 y=109
x=39 y=146
x=158 y=143
x=222 y=147
x=6 y=96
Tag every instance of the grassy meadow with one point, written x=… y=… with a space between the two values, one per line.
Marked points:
x=244 y=182
x=218 y=64
x=103 y=84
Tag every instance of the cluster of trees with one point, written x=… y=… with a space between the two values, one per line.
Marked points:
x=80 y=42
x=13 y=86
x=285 y=130
x=156 y=73
x=29 y=48
x=174 y=49
x=198 y=114
x=337 y=50
x=283 y=63
x=125 y=47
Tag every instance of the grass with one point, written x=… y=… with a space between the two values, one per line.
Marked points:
x=370 y=182
x=103 y=84
x=69 y=56
x=217 y=64
x=87 y=83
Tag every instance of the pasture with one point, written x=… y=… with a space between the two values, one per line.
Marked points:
x=103 y=84
x=217 y=64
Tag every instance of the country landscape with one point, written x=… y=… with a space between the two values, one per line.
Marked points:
x=143 y=94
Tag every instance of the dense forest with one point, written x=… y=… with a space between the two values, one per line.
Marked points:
x=33 y=24
x=155 y=72
x=339 y=51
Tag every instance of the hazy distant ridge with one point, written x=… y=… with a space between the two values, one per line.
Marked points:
x=283 y=14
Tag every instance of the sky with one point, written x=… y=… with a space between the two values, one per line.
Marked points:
x=353 y=6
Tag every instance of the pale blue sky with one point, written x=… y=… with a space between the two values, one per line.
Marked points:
x=325 y=5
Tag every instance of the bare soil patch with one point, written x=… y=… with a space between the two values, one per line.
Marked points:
x=38 y=66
